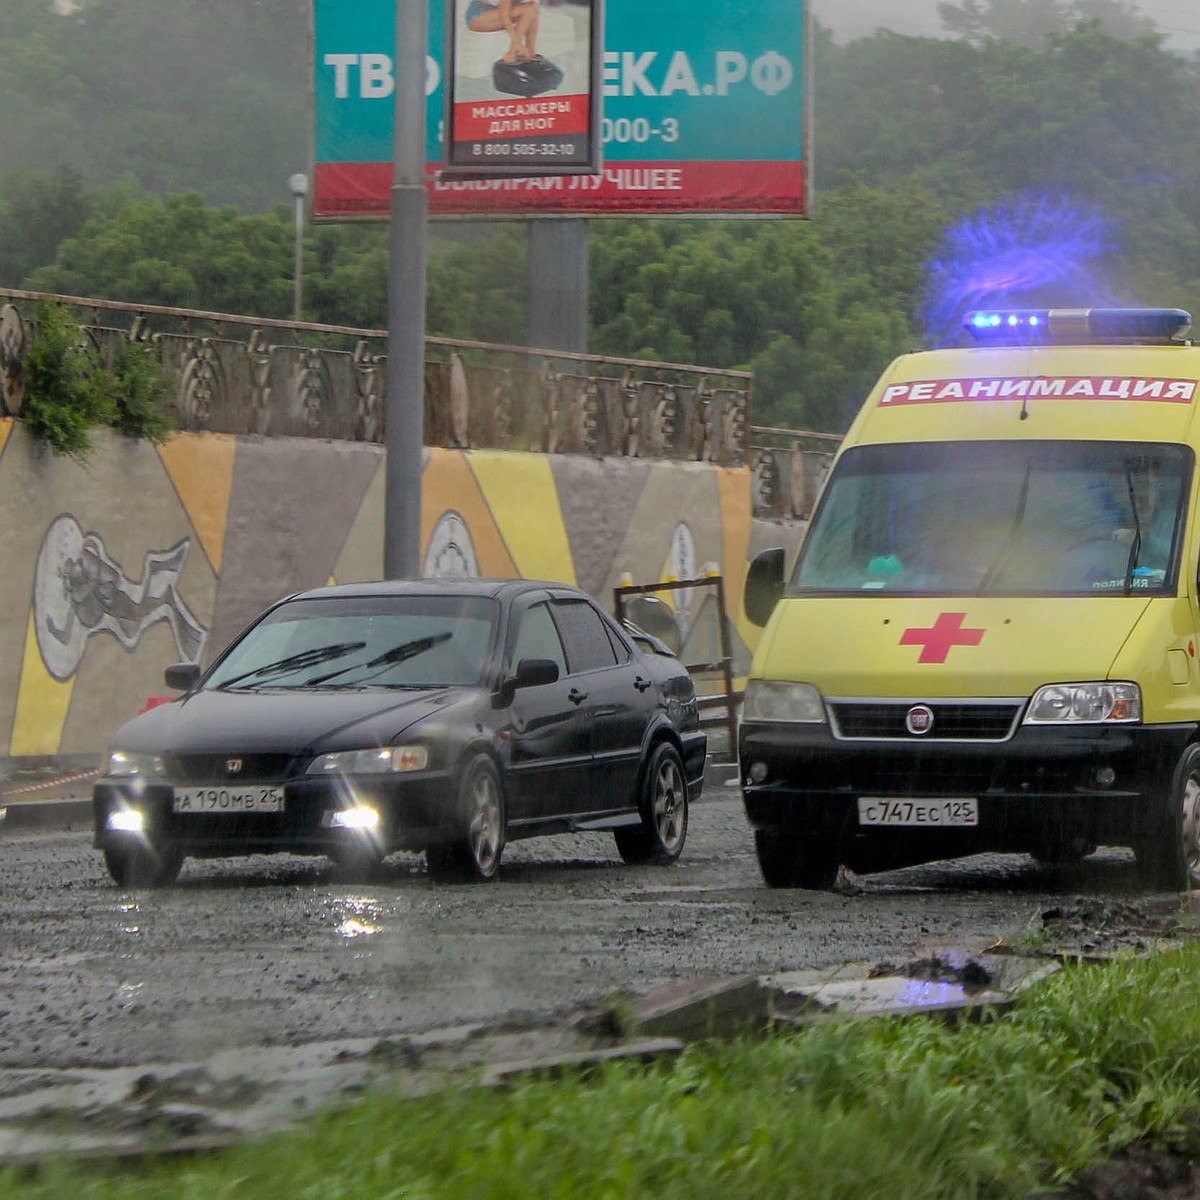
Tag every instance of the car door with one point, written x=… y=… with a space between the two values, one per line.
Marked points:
x=549 y=729
x=617 y=700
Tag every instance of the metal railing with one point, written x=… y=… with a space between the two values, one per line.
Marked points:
x=249 y=375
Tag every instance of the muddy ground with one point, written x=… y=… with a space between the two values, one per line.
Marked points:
x=274 y=952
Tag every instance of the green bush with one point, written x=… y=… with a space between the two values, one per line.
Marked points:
x=67 y=393
x=139 y=394
x=70 y=390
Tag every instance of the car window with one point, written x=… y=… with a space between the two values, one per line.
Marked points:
x=377 y=641
x=620 y=649
x=585 y=636
x=538 y=637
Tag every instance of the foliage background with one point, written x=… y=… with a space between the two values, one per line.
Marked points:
x=146 y=147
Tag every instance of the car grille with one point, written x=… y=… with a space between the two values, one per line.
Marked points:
x=953 y=721
x=218 y=768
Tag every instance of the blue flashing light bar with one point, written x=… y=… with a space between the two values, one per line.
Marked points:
x=1039 y=325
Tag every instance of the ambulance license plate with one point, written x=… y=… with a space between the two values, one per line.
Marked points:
x=228 y=800
x=939 y=813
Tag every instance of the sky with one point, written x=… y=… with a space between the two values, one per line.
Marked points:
x=849 y=19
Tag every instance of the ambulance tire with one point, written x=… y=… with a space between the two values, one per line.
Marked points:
x=1168 y=856
x=1063 y=850
x=796 y=860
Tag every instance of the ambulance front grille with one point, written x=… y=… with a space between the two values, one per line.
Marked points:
x=956 y=721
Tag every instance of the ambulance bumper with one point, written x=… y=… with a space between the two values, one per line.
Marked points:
x=1093 y=782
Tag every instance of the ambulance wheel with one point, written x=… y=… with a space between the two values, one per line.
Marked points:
x=1168 y=855
x=796 y=860
x=1062 y=849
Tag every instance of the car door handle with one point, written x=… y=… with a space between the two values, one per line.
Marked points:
x=640 y=683
x=576 y=696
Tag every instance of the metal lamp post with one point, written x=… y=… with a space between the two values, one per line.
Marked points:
x=299 y=187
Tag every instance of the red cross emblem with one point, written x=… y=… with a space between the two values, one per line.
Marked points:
x=937 y=639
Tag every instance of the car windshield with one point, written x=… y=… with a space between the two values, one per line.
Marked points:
x=371 y=641
x=1002 y=518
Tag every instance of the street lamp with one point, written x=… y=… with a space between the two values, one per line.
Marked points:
x=299 y=186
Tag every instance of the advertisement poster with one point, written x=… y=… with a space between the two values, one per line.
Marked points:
x=521 y=97
x=703 y=112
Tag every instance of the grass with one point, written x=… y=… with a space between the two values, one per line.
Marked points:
x=1099 y=1057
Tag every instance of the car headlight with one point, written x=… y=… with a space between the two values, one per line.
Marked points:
x=125 y=764
x=775 y=700
x=126 y=820
x=378 y=760
x=1085 y=704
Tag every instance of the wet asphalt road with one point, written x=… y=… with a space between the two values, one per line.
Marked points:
x=275 y=951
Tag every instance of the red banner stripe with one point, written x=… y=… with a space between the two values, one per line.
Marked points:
x=364 y=189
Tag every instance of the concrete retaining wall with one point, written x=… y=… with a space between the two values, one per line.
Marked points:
x=151 y=555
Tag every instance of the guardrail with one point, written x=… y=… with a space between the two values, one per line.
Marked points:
x=249 y=375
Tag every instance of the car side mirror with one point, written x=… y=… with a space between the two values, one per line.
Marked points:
x=764 y=585
x=182 y=677
x=535 y=672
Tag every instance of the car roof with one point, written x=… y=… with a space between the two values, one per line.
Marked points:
x=498 y=589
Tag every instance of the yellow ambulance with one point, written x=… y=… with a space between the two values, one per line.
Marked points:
x=988 y=640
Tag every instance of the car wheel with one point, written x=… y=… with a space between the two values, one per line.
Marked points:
x=475 y=854
x=660 y=836
x=1168 y=856
x=143 y=866
x=796 y=860
x=356 y=864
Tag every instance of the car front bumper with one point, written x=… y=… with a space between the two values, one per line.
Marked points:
x=414 y=811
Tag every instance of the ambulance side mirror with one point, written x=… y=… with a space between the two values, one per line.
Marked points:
x=764 y=585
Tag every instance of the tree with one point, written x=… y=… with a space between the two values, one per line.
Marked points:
x=179 y=252
x=184 y=95
x=38 y=211
x=1031 y=22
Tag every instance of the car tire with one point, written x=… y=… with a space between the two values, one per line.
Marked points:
x=1168 y=855
x=474 y=855
x=143 y=866
x=664 y=806
x=796 y=860
x=356 y=864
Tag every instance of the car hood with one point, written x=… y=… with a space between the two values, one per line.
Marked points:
x=276 y=721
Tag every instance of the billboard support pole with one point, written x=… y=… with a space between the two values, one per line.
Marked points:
x=405 y=415
x=558 y=283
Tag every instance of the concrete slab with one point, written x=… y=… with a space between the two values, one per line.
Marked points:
x=44 y=816
x=697 y=1009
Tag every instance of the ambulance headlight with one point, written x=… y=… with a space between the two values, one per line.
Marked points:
x=1086 y=704
x=775 y=700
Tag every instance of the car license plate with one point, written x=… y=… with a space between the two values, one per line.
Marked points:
x=228 y=800
x=927 y=813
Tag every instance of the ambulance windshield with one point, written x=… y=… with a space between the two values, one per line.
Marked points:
x=1000 y=518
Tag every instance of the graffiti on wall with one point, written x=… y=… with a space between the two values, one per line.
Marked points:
x=186 y=542
x=80 y=590
x=451 y=550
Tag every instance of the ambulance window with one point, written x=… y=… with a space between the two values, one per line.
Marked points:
x=1009 y=518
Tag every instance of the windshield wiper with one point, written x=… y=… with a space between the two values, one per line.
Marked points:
x=296 y=662
x=1135 y=545
x=400 y=653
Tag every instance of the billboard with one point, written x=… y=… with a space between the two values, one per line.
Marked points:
x=704 y=112
x=522 y=88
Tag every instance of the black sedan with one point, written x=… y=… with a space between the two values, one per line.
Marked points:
x=443 y=716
